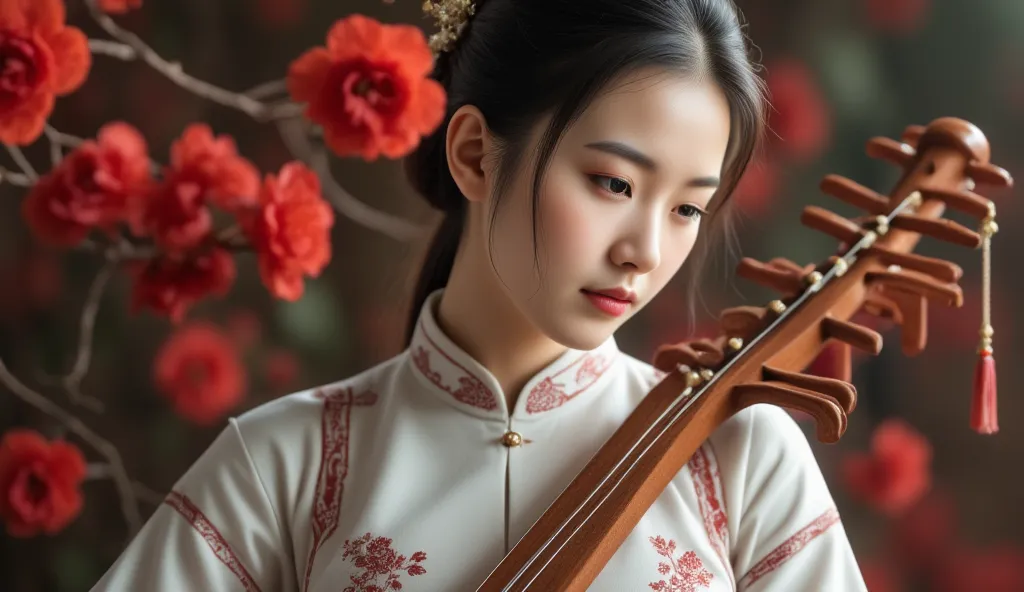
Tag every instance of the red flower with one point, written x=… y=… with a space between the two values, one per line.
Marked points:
x=203 y=169
x=119 y=6
x=896 y=16
x=244 y=327
x=923 y=537
x=291 y=230
x=896 y=474
x=39 y=58
x=201 y=373
x=96 y=186
x=368 y=88
x=39 y=483
x=169 y=285
x=799 y=114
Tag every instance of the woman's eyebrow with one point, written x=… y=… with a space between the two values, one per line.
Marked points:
x=633 y=155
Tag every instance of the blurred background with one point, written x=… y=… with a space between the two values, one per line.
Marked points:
x=936 y=509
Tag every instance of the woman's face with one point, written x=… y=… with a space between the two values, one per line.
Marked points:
x=620 y=206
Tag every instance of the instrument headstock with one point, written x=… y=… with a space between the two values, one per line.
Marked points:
x=874 y=270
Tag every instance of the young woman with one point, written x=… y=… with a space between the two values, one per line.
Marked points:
x=589 y=146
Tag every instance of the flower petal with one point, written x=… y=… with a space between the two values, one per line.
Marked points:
x=25 y=124
x=308 y=73
x=124 y=138
x=408 y=46
x=355 y=36
x=71 y=57
x=44 y=16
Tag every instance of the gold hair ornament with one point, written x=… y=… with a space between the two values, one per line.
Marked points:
x=451 y=18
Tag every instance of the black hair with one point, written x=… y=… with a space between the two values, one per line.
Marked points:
x=521 y=60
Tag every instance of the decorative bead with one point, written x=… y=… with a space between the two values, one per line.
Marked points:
x=915 y=199
x=692 y=378
x=735 y=343
x=881 y=225
x=777 y=306
x=813 y=278
x=512 y=439
x=841 y=267
x=707 y=374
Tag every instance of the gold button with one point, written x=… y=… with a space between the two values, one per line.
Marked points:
x=512 y=439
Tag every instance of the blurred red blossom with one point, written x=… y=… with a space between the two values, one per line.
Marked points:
x=39 y=483
x=999 y=569
x=280 y=14
x=369 y=89
x=96 y=186
x=897 y=471
x=42 y=58
x=923 y=536
x=170 y=284
x=758 y=186
x=799 y=117
x=879 y=576
x=200 y=371
x=119 y=6
x=244 y=327
x=282 y=368
x=896 y=16
x=290 y=230
x=203 y=169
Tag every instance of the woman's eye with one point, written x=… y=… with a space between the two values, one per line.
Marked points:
x=690 y=211
x=613 y=185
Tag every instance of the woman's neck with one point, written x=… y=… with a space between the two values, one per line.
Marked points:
x=477 y=315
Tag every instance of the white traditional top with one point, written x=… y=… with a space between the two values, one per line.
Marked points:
x=398 y=478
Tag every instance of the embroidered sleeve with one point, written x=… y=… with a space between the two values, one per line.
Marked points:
x=785 y=530
x=216 y=530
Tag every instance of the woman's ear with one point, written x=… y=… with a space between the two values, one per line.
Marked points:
x=467 y=144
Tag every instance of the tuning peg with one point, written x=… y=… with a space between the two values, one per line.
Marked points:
x=858 y=336
x=914 y=328
x=985 y=173
x=898 y=153
x=912 y=133
x=941 y=229
x=940 y=269
x=907 y=281
x=745 y=322
x=770 y=276
x=783 y=264
x=701 y=353
x=855 y=194
x=827 y=412
x=880 y=305
x=843 y=392
x=961 y=200
x=831 y=224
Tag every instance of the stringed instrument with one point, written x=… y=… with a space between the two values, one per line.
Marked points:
x=761 y=353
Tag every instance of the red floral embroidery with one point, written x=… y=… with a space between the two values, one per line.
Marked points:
x=471 y=390
x=706 y=482
x=549 y=394
x=330 y=483
x=685 y=573
x=791 y=547
x=377 y=559
x=218 y=544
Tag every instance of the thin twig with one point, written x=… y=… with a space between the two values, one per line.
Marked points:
x=56 y=154
x=174 y=72
x=112 y=49
x=298 y=142
x=19 y=159
x=96 y=471
x=129 y=502
x=16 y=179
x=267 y=89
x=72 y=381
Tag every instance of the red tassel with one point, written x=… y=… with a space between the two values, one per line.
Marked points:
x=983 y=401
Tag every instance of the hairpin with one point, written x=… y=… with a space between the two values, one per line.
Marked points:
x=451 y=17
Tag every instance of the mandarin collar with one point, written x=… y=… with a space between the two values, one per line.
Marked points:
x=446 y=370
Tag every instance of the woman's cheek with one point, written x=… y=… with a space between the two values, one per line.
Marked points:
x=571 y=226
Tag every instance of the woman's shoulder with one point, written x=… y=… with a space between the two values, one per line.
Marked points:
x=299 y=416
